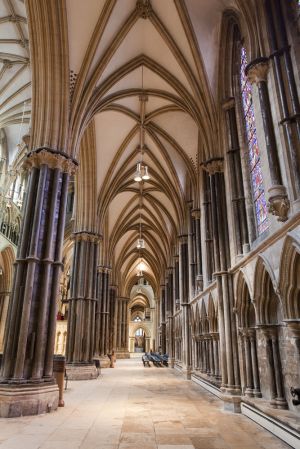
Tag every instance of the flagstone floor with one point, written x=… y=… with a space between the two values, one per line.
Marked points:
x=132 y=407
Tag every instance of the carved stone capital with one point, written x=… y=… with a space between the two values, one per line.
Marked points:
x=228 y=104
x=294 y=326
x=51 y=158
x=144 y=8
x=86 y=236
x=257 y=70
x=279 y=203
x=183 y=238
x=213 y=166
x=196 y=213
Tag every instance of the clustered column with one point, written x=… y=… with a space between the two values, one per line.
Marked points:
x=252 y=376
x=197 y=249
x=121 y=327
x=286 y=84
x=228 y=336
x=163 y=318
x=103 y=314
x=170 y=313
x=237 y=188
x=257 y=72
x=82 y=307
x=275 y=370
x=184 y=302
x=29 y=343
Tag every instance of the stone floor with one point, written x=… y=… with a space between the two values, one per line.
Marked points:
x=131 y=407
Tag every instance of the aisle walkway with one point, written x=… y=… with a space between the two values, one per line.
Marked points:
x=132 y=407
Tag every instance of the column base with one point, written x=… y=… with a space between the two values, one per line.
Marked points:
x=81 y=371
x=122 y=354
x=187 y=373
x=104 y=361
x=27 y=399
x=172 y=363
x=231 y=403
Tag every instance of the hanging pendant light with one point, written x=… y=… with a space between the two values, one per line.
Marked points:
x=138 y=173
x=140 y=244
x=146 y=176
x=142 y=172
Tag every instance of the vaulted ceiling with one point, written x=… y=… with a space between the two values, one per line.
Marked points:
x=15 y=76
x=118 y=50
x=167 y=50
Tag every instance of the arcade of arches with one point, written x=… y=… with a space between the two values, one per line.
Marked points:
x=150 y=197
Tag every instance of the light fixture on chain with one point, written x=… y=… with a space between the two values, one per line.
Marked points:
x=142 y=171
x=140 y=242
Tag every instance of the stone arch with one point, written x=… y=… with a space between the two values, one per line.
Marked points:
x=289 y=279
x=267 y=300
x=212 y=316
x=137 y=326
x=243 y=304
x=204 y=319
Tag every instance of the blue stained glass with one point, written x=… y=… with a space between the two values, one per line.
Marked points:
x=258 y=192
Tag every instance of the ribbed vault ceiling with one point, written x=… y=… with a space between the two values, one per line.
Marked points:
x=125 y=49
x=15 y=76
x=112 y=45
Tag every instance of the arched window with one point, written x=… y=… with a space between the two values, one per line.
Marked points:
x=256 y=177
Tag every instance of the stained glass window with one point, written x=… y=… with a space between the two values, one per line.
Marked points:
x=258 y=192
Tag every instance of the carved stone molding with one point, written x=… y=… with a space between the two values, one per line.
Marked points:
x=279 y=203
x=196 y=213
x=213 y=166
x=86 y=237
x=257 y=70
x=144 y=8
x=183 y=238
x=52 y=159
x=229 y=103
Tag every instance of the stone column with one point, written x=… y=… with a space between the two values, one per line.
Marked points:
x=286 y=84
x=275 y=370
x=236 y=183
x=184 y=302
x=123 y=329
x=176 y=284
x=102 y=314
x=27 y=364
x=256 y=383
x=82 y=308
x=118 y=324
x=199 y=271
x=113 y=307
x=257 y=72
x=226 y=319
x=191 y=255
x=215 y=339
x=4 y=300
x=170 y=313
x=248 y=362
x=209 y=248
x=163 y=318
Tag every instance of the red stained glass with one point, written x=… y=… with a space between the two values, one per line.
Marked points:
x=258 y=192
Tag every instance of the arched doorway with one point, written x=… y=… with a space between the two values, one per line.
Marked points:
x=139 y=340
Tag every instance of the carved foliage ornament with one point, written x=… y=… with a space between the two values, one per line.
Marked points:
x=144 y=8
x=214 y=166
x=52 y=160
x=257 y=71
x=86 y=237
x=279 y=203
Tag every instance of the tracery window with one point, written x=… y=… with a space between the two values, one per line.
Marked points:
x=256 y=177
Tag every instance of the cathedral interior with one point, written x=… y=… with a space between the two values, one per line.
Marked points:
x=150 y=223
